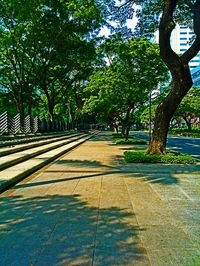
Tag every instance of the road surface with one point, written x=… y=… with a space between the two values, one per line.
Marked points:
x=177 y=143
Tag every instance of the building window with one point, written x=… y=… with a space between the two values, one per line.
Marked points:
x=183 y=44
x=182 y=39
x=183 y=50
x=183 y=33
x=183 y=27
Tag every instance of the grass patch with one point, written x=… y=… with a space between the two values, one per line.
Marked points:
x=169 y=158
x=130 y=141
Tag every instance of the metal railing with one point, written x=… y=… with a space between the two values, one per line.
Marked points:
x=14 y=125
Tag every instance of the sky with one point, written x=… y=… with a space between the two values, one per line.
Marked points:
x=131 y=23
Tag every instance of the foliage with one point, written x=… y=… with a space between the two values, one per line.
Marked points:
x=45 y=46
x=148 y=16
x=188 y=109
x=169 y=158
x=145 y=114
x=130 y=141
x=116 y=90
x=6 y=103
x=194 y=132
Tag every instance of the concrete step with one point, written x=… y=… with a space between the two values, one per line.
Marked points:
x=21 y=147
x=15 y=173
x=29 y=135
x=20 y=156
x=32 y=138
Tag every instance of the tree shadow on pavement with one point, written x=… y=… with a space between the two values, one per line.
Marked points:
x=78 y=163
x=64 y=230
x=102 y=137
x=164 y=174
x=152 y=173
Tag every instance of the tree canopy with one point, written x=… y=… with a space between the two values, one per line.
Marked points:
x=119 y=88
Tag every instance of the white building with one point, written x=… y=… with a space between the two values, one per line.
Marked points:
x=195 y=72
x=181 y=40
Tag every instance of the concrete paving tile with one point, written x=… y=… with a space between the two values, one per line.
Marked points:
x=154 y=219
x=90 y=201
x=108 y=194
x=115 y=202
x=137 y=187
x=60 y=254
x=65 y=190
x=73 y=234
x=22 y=248
x=143 y=205
x=173 y=256
x=162 y=257
x=132 y=256
x=114 y=215
x=165 y=237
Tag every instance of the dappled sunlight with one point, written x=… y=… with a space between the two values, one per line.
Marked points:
x=63 y=230
x=155 y=173
x=79 y=163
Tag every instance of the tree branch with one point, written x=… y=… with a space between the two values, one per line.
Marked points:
x=194 y=49
x=165 y=29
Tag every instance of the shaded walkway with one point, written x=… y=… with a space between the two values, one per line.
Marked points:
x=89 y=208
x=62 y=230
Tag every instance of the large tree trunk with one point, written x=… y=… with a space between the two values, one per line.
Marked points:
x=181 y=77
x=165 y=112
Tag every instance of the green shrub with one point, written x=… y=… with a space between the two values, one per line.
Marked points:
x=185 y=132
x=169 y=158
x=130 y=141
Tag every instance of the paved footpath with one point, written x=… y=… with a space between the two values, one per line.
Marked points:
x=89 y=208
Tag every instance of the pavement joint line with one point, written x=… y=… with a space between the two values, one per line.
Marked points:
x=78 y=181
x=154 y=180
x=184 y=193
x=155 y=191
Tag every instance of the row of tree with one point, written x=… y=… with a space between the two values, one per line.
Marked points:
x=52 y=60
x=120 y=87
x=44 y=50
x=188 y=111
